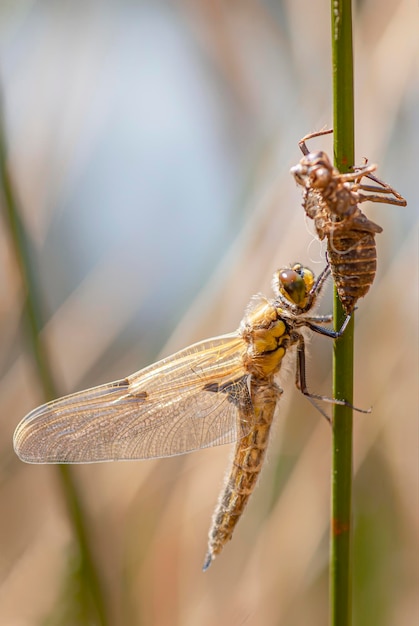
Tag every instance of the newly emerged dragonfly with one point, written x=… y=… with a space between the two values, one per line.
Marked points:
x=331 y=199
x=214 y=392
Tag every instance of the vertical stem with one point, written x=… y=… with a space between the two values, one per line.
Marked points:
x=341 y=507
x=91 y=597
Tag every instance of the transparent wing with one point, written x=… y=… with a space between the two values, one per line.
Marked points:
x=193 y=399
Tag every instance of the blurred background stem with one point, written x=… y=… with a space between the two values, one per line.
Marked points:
x=341 y=506
x=89 y=591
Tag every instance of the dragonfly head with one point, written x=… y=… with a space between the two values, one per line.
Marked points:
x=294 y=284
x=314 y=171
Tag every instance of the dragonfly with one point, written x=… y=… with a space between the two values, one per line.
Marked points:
x=215 y=392
x=332 y=200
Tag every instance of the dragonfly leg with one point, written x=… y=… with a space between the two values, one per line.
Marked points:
x=319 y=319
x=301 y=383
x=302 y=143
x=386 y=189
x=328 y=332
x=374 y=197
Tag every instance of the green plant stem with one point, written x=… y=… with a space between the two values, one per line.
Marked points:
x=91 y=596
x=341 y=496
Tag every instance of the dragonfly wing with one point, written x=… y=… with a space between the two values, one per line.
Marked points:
x=196 y=398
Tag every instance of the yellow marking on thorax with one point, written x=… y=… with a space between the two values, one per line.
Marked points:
x=264 y=333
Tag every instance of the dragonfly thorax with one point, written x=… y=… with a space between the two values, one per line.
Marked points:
x=266 y=335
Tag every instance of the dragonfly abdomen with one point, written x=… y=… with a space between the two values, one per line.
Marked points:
x=248 y=460
x=353 y=259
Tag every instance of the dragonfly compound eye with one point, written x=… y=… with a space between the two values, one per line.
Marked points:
x=300 y=173
x=306 y=274
x=320 y=177
x=292 y=285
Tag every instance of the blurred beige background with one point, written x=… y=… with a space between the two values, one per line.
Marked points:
x=150 y=144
